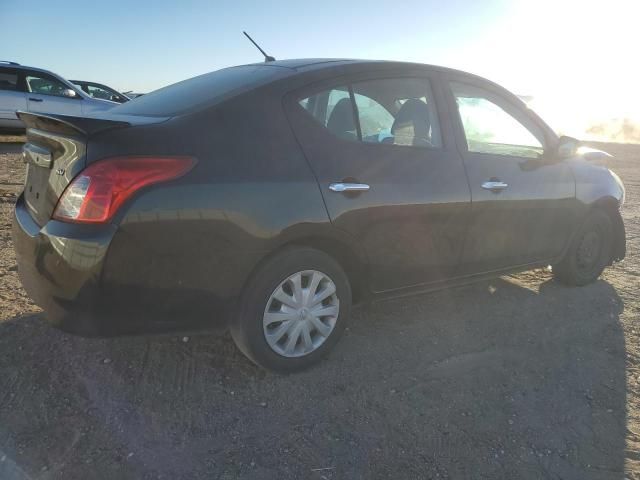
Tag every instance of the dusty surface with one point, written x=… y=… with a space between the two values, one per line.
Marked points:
x=13 y=300
x=515 y=378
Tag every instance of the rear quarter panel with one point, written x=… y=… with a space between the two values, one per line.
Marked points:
x=201 y=236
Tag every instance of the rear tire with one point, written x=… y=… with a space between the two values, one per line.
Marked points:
x=589 y=252
x=291 y=286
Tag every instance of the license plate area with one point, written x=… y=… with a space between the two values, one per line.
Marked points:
x=39 y=161
x=38 y=156
x=35 y=189
x=52 y=160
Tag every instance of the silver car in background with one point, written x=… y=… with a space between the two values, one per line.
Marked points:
x=37 y=90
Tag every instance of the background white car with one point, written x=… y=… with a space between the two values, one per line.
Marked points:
x=36 y=90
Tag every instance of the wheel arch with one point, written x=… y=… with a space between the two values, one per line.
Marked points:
x=610 y=206
x=348 y=256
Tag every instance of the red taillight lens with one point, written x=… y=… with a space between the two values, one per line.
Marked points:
x=95 y=195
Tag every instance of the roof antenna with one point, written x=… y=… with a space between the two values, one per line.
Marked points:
x=267 y=58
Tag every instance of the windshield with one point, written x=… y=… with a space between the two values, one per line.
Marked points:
x=204 y=90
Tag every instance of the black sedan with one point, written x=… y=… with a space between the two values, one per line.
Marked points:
x=272 y=196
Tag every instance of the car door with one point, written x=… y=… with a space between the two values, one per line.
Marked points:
x=389 y=172
x=12 y=98
x=103 y=93
x=45 y=94
x=522 y=200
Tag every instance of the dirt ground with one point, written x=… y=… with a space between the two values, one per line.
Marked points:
x=517 y=377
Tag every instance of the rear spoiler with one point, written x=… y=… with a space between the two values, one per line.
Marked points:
x=68 y=124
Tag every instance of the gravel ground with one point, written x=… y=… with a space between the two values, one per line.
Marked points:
x=518 y=377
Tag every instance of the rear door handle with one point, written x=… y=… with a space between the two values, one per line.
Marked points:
x=349 y=187
x=494 y=185
x=35 y=99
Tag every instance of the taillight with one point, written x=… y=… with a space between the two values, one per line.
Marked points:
x=95 y=195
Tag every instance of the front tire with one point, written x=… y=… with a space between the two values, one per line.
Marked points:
x=293 y=310
x=589 y=252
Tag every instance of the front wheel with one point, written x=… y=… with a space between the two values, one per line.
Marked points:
x=589 y=252
x=293 y=310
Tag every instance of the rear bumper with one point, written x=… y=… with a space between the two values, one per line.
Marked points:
x=98 y=280
x=60 y=266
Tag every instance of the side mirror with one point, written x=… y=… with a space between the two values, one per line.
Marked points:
x=567 y=147
x=69 y=93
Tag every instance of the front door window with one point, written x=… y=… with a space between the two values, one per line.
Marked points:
x=45 y=85
x=489 y=128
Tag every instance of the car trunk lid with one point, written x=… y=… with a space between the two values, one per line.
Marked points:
x=54 y=154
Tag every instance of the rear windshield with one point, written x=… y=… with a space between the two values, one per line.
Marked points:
x=202 y=91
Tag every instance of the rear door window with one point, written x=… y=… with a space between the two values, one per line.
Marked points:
x=333 y=109
x=396 y=111
x=375 y=119
x=8 y=80
x=99 y=92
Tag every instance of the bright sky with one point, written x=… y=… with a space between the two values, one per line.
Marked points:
x=577 y=58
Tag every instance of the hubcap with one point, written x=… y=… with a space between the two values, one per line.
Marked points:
x=301 y=313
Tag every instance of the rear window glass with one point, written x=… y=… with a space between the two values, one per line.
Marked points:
x=202 y=91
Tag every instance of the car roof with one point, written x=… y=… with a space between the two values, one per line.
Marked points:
x=231 y=82
x=17 y=66
x=317 y=65
x=314 y=63
x=300 y=65
x=90 y=83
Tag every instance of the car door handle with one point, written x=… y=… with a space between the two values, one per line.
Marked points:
x=35 y=99
x=494 y=186
x=349 y=187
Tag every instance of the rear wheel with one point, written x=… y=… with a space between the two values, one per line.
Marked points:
x=589 y=252
x=293 y=310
